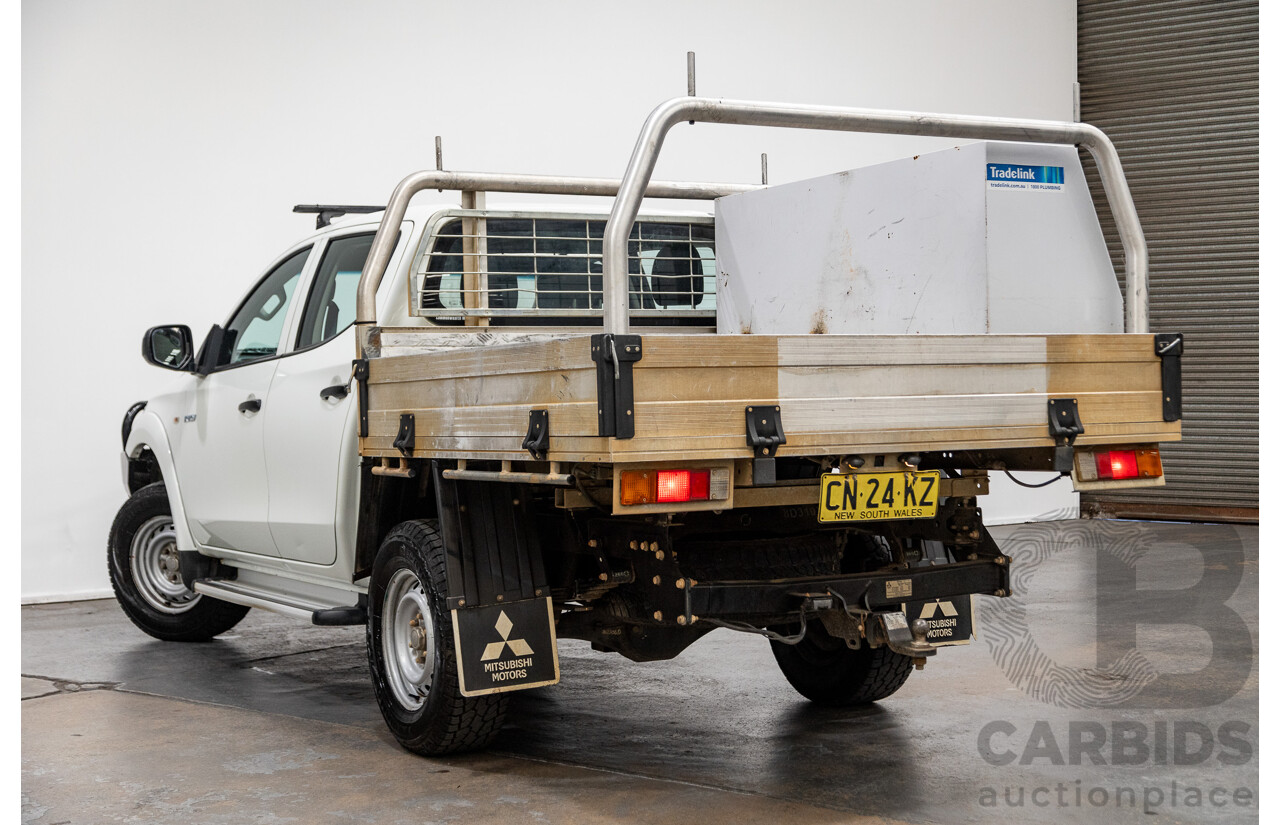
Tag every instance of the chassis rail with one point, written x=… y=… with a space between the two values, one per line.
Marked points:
x=872 y=591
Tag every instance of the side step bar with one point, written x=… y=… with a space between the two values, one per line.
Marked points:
x=284 y=603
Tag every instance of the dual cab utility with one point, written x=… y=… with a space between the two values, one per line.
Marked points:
x=633 y=428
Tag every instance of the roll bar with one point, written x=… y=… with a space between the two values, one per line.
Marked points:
x=831 y=118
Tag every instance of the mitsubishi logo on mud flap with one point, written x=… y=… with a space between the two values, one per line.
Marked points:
x=524 y=657
x=948 y=609
x=519 y=647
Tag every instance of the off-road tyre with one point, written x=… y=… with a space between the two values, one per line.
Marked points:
x=142 y=565
x=824 y=670
x=425 y=713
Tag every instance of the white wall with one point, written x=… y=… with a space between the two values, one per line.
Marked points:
x=164 y=144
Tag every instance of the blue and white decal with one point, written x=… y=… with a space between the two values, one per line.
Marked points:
x=1024 y=177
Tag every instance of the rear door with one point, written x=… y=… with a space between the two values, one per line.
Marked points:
x=311 y=452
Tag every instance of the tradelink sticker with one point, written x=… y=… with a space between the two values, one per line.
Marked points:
x=1028 y=178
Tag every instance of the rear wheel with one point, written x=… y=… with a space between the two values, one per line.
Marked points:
x=142 y=561
x=411 y=653
x=826 y=671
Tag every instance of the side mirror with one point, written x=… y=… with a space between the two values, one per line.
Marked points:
x=169 y=347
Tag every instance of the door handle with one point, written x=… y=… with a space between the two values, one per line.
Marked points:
x=338 y=391
x=251 y=405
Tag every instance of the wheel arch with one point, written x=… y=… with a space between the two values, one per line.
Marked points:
x=385 y=502
x=148 y=434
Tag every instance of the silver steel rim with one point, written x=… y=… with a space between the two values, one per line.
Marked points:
x=408 y=639
x=153 y=560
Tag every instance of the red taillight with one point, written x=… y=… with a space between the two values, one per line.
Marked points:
x=668 y=486
x=683 y=485
x=700 y=485
x=1117 y=465
x=673 y=485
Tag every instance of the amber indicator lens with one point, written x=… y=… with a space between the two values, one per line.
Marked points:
x=639 y=487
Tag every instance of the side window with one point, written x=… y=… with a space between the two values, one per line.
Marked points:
x=331 y=306
x=255 y=330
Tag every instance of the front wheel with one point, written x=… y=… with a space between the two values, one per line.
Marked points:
x=142 y=561
x=826 y=671
x=411 y=653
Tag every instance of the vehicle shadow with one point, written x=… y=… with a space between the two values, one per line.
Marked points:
x=326 y=679
x=755 y=737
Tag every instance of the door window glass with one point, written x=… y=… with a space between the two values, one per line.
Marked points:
x=255 y=330
x=331 y=306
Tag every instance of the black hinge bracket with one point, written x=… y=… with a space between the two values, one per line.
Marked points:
x=360 y=371
x=764 y=434
x=615 y=393
x=1064 y=426
x=404 y=438
x=538 y=439
x=1169 y=348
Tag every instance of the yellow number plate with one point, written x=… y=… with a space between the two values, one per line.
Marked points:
x=878 y=496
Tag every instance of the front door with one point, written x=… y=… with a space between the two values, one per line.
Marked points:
x=218 y=444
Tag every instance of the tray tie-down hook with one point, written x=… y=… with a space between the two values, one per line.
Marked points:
x=764 y=434
x=404 y=440
x=1064 y=426
x=538 y=438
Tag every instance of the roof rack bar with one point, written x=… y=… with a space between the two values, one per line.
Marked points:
x=832 y=118
x=375 y=267
x=326 y=212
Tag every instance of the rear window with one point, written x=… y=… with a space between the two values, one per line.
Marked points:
x=548 y=270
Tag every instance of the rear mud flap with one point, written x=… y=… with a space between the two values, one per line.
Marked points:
x=505 y=647
x=950 y=619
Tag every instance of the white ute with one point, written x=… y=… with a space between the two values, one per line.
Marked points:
x=475 y=430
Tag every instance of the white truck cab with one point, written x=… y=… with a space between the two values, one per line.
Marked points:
x=256 y=443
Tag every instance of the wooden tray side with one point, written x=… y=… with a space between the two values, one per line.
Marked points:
x=838 y=394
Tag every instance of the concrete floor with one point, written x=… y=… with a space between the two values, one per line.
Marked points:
x=275 y=722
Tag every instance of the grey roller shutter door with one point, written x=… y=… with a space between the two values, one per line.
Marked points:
x=1174 y=84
